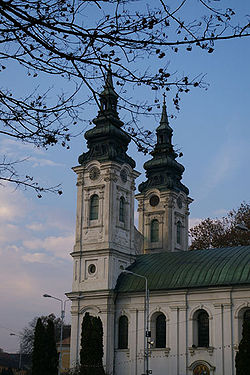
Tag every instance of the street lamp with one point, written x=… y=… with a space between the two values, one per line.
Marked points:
x=63 y=305
x=20 y=350
x=146 y=321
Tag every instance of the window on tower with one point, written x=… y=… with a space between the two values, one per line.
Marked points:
x=94 y=207
x=122 y=210
x=154 y=230
x=123 y=333
x=178 y=232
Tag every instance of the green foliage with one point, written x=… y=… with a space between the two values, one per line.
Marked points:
x=27 y=340
x=51 y=352
x=91 y=346
x=223 y=232
x=44 y=356
x=39 y=350
x=8 y=371
x=242 y=359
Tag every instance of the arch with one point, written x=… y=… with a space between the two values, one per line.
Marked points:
x=194 y=310
x=243 y=315
x=201 y=328
x=201 y=367
x=246 y=315
x=94 y=207
x=158 y=328
x=178 y=232
x=154 y=230
x=123 y=332
x=93 y=310
x=122 y=210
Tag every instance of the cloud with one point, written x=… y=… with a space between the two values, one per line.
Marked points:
x=57 y=247
x=36 y=162
x=35 y=242
x=13 y=204
x=36 y=227
x=223 y=165
x=194 y=221
x=26 y=153
x=36 y=258
x=220 y=212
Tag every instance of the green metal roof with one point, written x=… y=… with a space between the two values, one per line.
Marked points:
x=189 y=269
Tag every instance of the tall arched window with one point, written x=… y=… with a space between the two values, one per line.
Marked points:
x=94 y=207
x=246 y=316
x=178 y=232
x=154 y=228
x=123 y=333
x=203 y=328
x=160 y=331
x=122 y=210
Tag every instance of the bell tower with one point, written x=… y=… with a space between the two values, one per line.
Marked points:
x=104 y=241
x=163 y=199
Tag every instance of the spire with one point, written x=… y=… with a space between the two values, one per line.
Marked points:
x=164 y=116
x=164 y=123
x=163 y=171
x=106 y=140
x=109 y=80
x=109 y=99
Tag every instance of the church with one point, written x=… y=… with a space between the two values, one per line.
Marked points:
x=164 y=309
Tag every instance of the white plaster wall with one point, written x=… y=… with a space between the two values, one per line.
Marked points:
x=223 y=306
x=168 y=213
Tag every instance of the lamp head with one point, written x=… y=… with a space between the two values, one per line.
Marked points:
x=46 y=295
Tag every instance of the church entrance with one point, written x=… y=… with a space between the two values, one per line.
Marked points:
x=201 y=370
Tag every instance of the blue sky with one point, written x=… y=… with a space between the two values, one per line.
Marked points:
x=37 y=235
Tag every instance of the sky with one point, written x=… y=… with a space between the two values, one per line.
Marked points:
x=37 y=235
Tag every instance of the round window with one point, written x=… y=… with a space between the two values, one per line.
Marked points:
x=92 y=269
x=123 y=175
x=94 y=173
x=154 y=200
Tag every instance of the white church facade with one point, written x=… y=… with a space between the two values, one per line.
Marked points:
x=197 y=299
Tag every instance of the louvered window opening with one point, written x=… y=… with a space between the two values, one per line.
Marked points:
x=122 y=210
x=178 y=232
x=154 y=230
x=94 y=207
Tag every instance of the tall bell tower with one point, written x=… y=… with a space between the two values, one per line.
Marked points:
x=104 y=241
x=163 y=199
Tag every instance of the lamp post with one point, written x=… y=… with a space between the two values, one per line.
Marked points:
x=147 y=333
x=63 y=305
x=20 y=350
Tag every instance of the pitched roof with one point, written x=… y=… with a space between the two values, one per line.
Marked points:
x=189 y=269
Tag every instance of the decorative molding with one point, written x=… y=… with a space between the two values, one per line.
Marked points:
x=194 y=349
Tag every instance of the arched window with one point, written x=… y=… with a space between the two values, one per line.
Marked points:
x=160 y=331
x=123 y=333
x=246 y=316
x=203 y=328
x=122 y=210
x=94 y=207
x=178 y=232
x=154 y=230
x=201 y=370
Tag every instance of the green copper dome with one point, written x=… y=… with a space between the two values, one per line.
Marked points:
x=188 y=269
x=107 y=141
x=163 y=171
